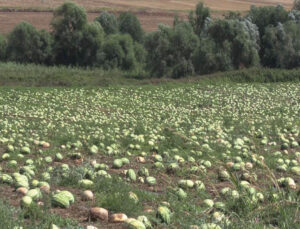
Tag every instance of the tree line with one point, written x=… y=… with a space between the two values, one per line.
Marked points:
x=266 y=36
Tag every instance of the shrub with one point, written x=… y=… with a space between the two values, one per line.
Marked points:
x=170 y=50
x=109 y=22
x=296 y=5
x=268 y=15
x=140 y=52
x=118 y=52
x=228 y=44
x=208 y=57
x=27 y=45
x=68 y=23
x=282 y=46
x=197 y=18
x=92 y=39
x=129 y=23
x=3 y=44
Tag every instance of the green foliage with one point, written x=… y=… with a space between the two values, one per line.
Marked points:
x=109 y=22
x=296 y=5
x=208 y=57
x=282 y=46
x=36 y=217
x=260 y=75
x=38 y=75
x=228 y=46
x=266 y=36
x=268 y=15
x=130 y=24
x=113 y=193
x=118 y=52
x=7 y=216
x=140 y=52
x=92 y=39
x=68 y=17
x=233 y=15
x=69 y=20
x=170 y=50
x=27 y=45
x=197 y=18
x=3 y=45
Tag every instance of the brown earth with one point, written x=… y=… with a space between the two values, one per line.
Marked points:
x=41 y=20
x=151 y=12
x=167 y=5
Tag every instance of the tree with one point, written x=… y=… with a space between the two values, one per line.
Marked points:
x=268 y=15
x=170 y=50
x=197 y=18
x=282 y=46
x=117 y=52
x=229 y=44
x=109 y=22
x=130 y=24
x=158 y=46
x=140 y=52
x=68 y=23
x=27 y=45
x=244 y=51
x=296 y=5
x=3 y=44
x=232 y=15
x=90 y=44
x=209 y=58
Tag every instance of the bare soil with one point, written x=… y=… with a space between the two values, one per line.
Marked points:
x=151 y=12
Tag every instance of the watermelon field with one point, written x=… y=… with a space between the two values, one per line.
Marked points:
x=184 y=155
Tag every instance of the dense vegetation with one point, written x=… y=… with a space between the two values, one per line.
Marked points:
x=266 y=36
x=32 y=75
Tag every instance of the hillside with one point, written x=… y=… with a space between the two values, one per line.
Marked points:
x=150 y=13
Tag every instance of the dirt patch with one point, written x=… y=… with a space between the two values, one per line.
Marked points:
x=167 y=5
x=41 y=20
x=150 y=13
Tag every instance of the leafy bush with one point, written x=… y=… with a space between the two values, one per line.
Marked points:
x=228 y=46
x=109 y=22
x=68 y=22
x=118 y=52
x=282 y=46
x=27 y=45
x=268 y=15
x=130 y=24
x=266 y=36
x=208 y=57
x=170 y=50
x=91 y=42
x=197 y=18
x=3 y=44
x=296 y=5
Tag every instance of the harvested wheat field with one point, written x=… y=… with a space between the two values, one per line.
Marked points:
x=151 y=13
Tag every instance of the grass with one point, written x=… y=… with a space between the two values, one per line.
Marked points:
x=41 y=76
x=33 y=218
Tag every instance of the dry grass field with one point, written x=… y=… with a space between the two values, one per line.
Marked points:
x=150 y=12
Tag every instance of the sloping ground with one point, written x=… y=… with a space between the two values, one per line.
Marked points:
x=41 y=20
x=151 y=13
x=168 y=5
